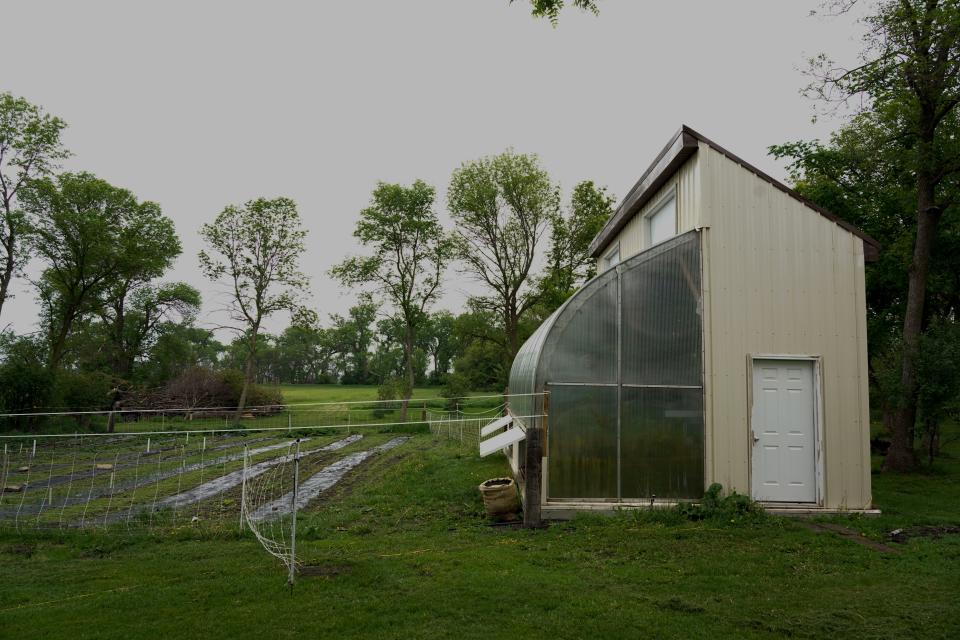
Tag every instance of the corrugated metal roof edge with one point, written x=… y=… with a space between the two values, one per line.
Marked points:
x=681 y=146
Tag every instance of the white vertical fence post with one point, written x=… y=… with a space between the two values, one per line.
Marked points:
x=293 y=510
x=243 y=486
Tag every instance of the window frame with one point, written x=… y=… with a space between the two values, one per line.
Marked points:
x=658 y=206
x=606 y=259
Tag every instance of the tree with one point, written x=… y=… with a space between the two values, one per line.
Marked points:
x=255 y=248
x=478 y=361
x=410 y=252
x=134 y=330
x=352 y=338
x=550 y=9
x=152 y=303
x=25 y=381
x=178 y=348
x=303 y=354
x=91 y=236
x=907 y=87
x=569 y=263
x=502 y=206
x=29 y=148
x=441 y=345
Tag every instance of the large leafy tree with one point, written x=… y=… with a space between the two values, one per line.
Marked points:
x=352 y=338
x=502 y=206
x=179 y=347
x=30 y=148
x=905 y=89
x=304 y=354
x=136 y=324
x=410 y=252
x=255 y=249
x=441 y=345
x=90 y=235
x=569 y=263
x=550 y=9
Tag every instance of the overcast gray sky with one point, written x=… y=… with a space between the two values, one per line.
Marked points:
x=199 y=104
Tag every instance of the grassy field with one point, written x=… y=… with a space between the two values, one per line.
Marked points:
x=300 y=393
x=309 y=406
x=402 y=549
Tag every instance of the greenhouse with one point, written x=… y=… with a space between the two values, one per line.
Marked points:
x=723 y=341
x=620 y=362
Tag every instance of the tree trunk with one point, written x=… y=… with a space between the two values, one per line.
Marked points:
x=511 y=326
x=58 y=344
x=114 y=407
x=930 y=444
x=122 y=362
x=408 y=370
x=247 y=379
x=10 y=245
x=901 y=455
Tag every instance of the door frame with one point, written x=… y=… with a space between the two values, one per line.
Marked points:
x=817 y=421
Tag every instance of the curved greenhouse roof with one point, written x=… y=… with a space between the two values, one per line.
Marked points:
x=621 y=364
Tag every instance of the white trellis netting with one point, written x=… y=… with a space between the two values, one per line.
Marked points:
x=259 y=489
x=462 y=425
x=131 y=480
x=217 y=476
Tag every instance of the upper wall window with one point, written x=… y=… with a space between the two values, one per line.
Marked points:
x=611 y=258
x=662 y=222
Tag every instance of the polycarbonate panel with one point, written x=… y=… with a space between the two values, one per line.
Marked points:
x=661 y=443
x=582 y=344
x=660 y=293
x=523 y=383
x=659 y=426
x=582 y=442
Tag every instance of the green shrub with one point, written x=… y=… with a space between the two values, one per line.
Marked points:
x=714 y=506
x=458 y=386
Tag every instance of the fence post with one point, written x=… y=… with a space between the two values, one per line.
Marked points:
x=243 y=487
x=289 y=421
x=533 y=461
x=293 y=510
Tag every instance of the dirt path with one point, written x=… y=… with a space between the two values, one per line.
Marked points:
x=320 y=482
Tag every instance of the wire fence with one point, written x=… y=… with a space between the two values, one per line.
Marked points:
x=167 y=474
x=290 y=416
x=461 y=425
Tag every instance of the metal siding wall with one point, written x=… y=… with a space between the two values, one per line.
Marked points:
x=687 y=185
x=781 y=279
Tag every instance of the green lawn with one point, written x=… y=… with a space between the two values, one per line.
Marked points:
x=310 y=406
x=300 y=393
x=403 y=550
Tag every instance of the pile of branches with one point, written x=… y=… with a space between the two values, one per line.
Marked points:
x=201 y=388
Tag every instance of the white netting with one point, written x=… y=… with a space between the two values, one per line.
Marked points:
x=267 y=483
x=210 y=478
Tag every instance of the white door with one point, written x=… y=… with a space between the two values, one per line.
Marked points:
x=784 y=431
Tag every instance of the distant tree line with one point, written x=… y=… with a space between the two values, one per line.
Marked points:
x=112 y=332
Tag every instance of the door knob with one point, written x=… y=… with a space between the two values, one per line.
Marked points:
x=755 y=438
